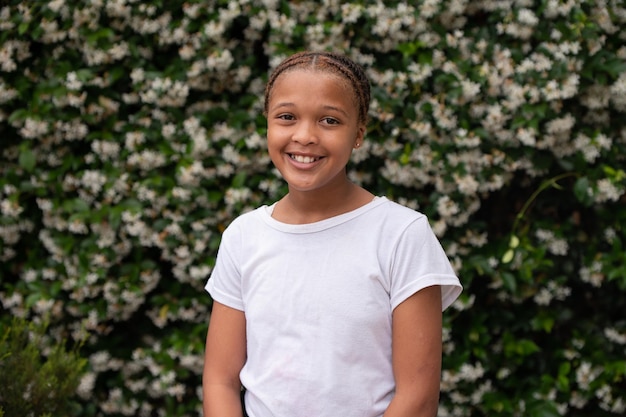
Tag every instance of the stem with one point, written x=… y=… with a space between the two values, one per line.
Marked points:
x=552 y=182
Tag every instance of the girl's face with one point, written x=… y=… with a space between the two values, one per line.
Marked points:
x=312 y=127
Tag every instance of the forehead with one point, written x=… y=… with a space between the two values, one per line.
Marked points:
x=312 y=75
x=312 y=82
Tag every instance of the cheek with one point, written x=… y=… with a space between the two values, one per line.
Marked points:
x=271 y=138
x=273 y=146
x=276 y=135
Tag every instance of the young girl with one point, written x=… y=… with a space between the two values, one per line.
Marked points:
x=328 y=302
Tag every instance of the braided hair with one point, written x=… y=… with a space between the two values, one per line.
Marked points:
x=331 y=63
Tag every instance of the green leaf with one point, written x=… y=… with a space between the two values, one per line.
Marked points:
x=17 y=115
x=563 y=376
x=27 y=159
x=543 y=408
x=543 y=322
x=22 y=28
x=581 y=188
x=76 y=205
x=508 y=280
x=615 y=67
x=239 y=180
x=519 y=347
x=508 y=256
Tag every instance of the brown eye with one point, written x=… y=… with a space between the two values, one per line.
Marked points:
x=330 y=121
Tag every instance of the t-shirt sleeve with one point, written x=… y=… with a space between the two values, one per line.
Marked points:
x=224 y=284
x=421 y=262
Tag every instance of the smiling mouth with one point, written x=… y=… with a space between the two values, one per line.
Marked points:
x=304 y=159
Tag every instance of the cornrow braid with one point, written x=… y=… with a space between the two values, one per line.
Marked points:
x=327 y=62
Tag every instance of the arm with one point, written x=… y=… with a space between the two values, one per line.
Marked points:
x=416 y=350
x=224 y=357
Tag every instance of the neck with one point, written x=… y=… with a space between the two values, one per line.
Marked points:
x=301 y=207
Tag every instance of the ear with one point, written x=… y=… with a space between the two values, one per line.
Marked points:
x=360 y=135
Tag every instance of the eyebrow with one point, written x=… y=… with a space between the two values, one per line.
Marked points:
x=326 y=107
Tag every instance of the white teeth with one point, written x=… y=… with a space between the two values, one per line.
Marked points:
x=303 y=159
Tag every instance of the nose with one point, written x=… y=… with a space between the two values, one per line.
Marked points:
x=305 y=133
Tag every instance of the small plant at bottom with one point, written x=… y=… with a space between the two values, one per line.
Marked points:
x=38 y=378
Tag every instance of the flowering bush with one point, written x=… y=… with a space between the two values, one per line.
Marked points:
x=132 y=133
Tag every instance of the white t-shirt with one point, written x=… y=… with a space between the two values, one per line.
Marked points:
x=318 y=300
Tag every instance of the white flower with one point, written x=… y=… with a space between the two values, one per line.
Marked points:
x=77 y=226
x=230 y=154
x=134 y=139
x=10 y=208
x=554 y=8
x=470 y=89
x=558 y=247
x=447 y=207
x=137 y=75
x=71 y=131
x=199 y=272
x=56 y=5
x=429 y=8
x=6 y=60
x=615 y=336
x=495 y=118
x=105 y=150
x=561 y=125
x=577 y=400
x=570 y=86
x=471 y=373
x=182 y=252
x=93 y=180
x=593 y=274
x=237 y=195
x=586 y=374
x=29 y=275
x=551 y=291
x=526 y=136
x=119 y=51
x=214 y=30
x=224 y=131
x=419 y=72
x=610 y=234
x=466 y=184
x=527 y=17
x=6 y=93
x=618 y=93
x=535 y=62
x=72 y=82
x=607 y=191
x=255 y=141
x=168 y=130
x=146 y=160
x=350 y=13
x=191 y=174
x=33 y=128
x=220 y=61
x=86 y=385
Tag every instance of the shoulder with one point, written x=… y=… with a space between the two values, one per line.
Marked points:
x=408 y=226
x=404 y=211
x=399 y=215
x=245 y=223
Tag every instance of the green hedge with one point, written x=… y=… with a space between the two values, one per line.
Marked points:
x=131 y=134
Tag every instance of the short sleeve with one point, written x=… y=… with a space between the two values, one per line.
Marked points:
x=419 y=262
x=224 y=284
